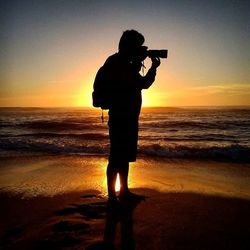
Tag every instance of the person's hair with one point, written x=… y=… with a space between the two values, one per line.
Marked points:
x=130 y=40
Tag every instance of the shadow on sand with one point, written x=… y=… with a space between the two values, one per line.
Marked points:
x=163 y=221
x=119 y=213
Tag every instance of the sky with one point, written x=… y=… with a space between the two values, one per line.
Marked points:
x=51 y=50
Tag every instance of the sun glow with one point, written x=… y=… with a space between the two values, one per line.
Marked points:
x=117 y=183
x=84 y=98
x=152 y=99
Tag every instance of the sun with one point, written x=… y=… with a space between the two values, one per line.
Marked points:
x=150 y=99
x=84 y=96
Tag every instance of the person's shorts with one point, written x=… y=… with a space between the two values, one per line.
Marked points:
x=123 y=136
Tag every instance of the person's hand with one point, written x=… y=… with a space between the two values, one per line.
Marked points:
x=155 y=62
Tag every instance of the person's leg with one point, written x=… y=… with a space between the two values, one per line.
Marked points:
x=125 y=193
x=123 y=172
x=111 y=178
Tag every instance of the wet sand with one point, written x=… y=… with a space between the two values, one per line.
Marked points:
x=188 y=205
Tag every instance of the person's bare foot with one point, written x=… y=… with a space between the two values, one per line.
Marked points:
x=128 y=195
x=112 y=195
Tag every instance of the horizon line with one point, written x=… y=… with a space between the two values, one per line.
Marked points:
x=173 y=106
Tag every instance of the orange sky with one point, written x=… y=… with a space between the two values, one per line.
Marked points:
x=53 y=50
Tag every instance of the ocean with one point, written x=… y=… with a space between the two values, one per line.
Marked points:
x=219 y=134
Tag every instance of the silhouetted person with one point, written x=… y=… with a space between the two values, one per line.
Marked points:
x=124 y=93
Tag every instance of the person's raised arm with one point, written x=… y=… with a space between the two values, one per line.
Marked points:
x=149 y=78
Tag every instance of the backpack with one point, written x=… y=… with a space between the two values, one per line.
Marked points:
x=101 y=93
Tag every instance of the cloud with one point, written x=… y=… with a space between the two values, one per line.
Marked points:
x=56 y=82
x=231 y=94
x=230 y=89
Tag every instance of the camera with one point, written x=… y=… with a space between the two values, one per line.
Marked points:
x=162 y=53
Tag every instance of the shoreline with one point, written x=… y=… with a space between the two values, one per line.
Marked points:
x=49 y=175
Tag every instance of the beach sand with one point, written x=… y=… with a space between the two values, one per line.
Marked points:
x=57 y=202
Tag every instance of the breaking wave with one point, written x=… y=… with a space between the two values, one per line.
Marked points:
x=234 y=152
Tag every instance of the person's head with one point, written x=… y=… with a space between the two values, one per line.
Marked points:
x=131 y=43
